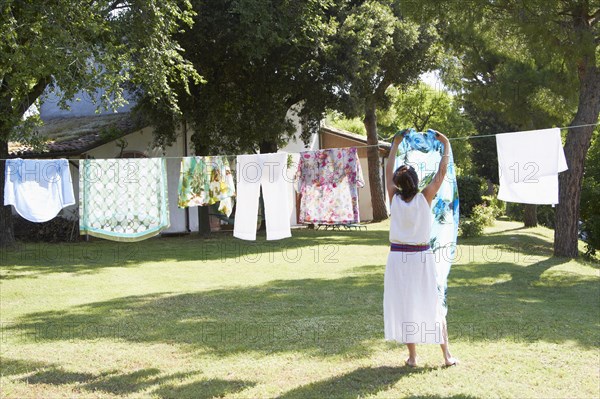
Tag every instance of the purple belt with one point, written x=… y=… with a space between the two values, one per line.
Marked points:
x=408 y=248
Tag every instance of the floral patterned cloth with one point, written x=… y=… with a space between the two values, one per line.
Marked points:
x=205 y=181
x=424 y=153
x=328 y=181
x=123 y=199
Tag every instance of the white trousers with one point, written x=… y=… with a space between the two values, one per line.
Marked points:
x=267 y=170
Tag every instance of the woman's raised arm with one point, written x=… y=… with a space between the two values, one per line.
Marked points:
x=389 y=168
x=432 y=188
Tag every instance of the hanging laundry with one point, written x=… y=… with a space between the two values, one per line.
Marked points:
x=424 y=153
x=328 y=181
x=204 y=181
x=38 y=189
x=528 y=166
x=268 y=171
x=123 y=199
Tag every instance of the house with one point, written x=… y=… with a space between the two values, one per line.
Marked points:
x=82 y=133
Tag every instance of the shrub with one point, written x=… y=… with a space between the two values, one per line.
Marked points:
x=470 y=190
x=590 y=192
x=483 y=215
x=55 y=230
x=545 y=214
x=590 y=216
x=469 y=228
x=498 y=207
x=514 y=211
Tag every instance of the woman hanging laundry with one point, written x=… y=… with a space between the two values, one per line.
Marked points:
x=413 y=311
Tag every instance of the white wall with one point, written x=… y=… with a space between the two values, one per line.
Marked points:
x=294 y=147
x=364 y=194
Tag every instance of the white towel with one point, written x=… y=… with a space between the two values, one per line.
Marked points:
x=38 y=189
x=528 y=165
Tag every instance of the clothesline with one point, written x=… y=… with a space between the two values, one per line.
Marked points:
x=496 y=134
x=358 y=146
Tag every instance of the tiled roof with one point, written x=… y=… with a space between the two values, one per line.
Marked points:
x=76 y=135
x=353 y=136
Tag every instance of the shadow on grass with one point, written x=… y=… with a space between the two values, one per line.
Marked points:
x=118 y=383
x=487 y=302
x=442 y=397
x=213 y=388
x=356 y=384
x=33 y=260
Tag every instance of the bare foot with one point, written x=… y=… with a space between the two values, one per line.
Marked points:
x=450 y=361
x=411 y=362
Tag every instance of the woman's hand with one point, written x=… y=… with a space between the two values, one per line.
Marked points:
x=443 y=139
x=400 y=135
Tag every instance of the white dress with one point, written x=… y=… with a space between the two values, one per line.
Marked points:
x=412 y=312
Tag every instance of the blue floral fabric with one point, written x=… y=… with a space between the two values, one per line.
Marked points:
x=424 y=153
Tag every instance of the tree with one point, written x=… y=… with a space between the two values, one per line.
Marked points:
x=73 y=46
x=259 y=58
x=520 y=81
x=376 y=47
x=565 y=32
x=423 y=106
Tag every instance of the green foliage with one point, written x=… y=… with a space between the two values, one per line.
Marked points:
x=546 y=216
x=373 y=43
x=545 y=213
x=423 y=107
x=498 y=207
x=506 y=80
x=259 y=59
x=26 y=132
x=56 y=230
x=469 y=228
x=354 y=125
x=590 y=195
x=481 y=216
x=504 y=71
x=471 y=190
x=73 y=46
x=484 y=156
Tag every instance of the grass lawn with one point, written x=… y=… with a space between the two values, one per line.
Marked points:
x=299 y=318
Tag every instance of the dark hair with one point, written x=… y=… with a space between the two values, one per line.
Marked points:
x=406 y=182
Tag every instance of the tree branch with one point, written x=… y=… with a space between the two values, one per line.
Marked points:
x=33 y=95
x=380 y=90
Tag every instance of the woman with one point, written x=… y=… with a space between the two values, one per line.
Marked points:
x=411 y=308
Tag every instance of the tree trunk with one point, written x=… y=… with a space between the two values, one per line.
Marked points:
x=530 y=215
x=7 y=236
x=576 y=147
x=377 y=199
